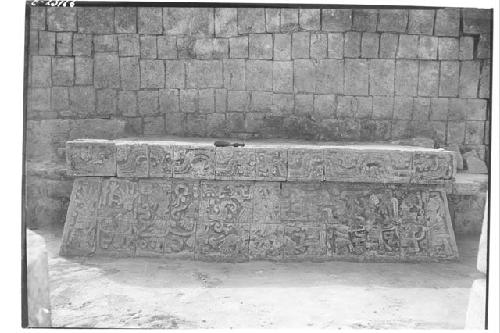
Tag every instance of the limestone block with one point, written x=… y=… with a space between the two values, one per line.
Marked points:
x=336 y=45
x=82 y=44
x=132 y=159
x=484 y=46
x=234 y=74
x=447 y=22
x=283 y=76
x=382 y=77
x=336 y=20
x=38 y=16
x=407 y=47
x=82 y=100
x=152 y=73
x=352 y=44
x=469 y=79
x=105 y=43
x=238 y=47
x=448 y=48
x=305 y=164
x=235 y=163
x=304 y=240
x=90 y=158
x=406 y=77
x=37 y=281
x=350 y=165
x=167 y=47
x=273 y=18
x=318 y=47
x=175 y=74
x=204 y=74
x=466 y=51
x=432 y=166
x=421 y=21
x=356 y=76
x=197 y=22
x=106 y=70
x=184 y=216
x=257 y=75
x=441 y=236
x=474 y=164
x=309 y=19
x=63 y=71
x=126 y=20
x=96 y=20
x=148 y=47
x=428 y=47
x=41 y=71
x=219 y=241
x=226 y=22
x=251 y=20
x=79 y=235
x=148 y=102
x=260 y=46
x=289 y=19
x=160 y=160
x=369 y=45
x=130 y=73
x=282 y=47
x=388 y=45
x=196 y=162
x=64 y=43
x=428 y=78
x=300 y=45
x=128 y=45
x=364 y=19
x=476 y=21
x=116 y=218
x=271 y=164
x=393 y=20
x=449 y=79
x=266 y=241
x=46 y=43
x=149 y=20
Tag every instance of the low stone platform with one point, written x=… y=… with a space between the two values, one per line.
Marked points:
x=267 y=200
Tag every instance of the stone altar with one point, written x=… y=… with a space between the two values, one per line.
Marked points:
x=185 y=198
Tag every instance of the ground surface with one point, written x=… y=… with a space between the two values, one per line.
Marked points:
x=156 y=293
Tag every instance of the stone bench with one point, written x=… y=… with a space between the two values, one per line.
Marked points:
x=268 y=200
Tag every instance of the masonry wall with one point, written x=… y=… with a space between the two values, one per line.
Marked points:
x=319 y=74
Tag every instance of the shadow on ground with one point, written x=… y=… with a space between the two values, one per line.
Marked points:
x=161 y=293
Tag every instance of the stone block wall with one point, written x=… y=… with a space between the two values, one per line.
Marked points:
x=298 y=73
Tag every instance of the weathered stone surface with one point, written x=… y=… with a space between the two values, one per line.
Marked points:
x=305 y=164
x=91 y=158
x=148 y=102
x=408 y=47
x=174 y=74
x=82 y=100
x=309 y=19
x=79 y=236
x=429 y=167
x=204 y=74
x=439 y=109
x=352 y=44
x=235 y=163
x=428 y=79
x=406 y=78
x=106 y=70
x=300 y=45
x=226 y=22
x=318 y=47
x=392 y=20
x=46 y=43
x=336 y=45
x=222 y=241
x=129 y=73
x=466 y=51
x=336 y=20
x=484 y=47
x=41 y=69
x=64 y=43
x=364 y=19
x=266 y=241
x=476 y=21
x=448 y=48
x=132 y=159
x=382 y=107
x=125 y=20
x=128 y=45
x=61 y=19
x=350 y=165
x=260 y=46
x=96 y=20
x=356 y=77
x=152 y=73
x=148 y=47
x=449 y=79
x=369 y=45
x=167 y=47
x=388 y=45
x=282 y=47
x=196 y=22
x=289 y=19
x=474 y=132
x=251 y=20
x=428 y=47
x=273 y=18
x=421 y=21
x=82 y=44
x=149 y=20
x=84 y=71
x=469 y=79
x=63 y=71
x=194 y=162
x=257 y=75
x=105 y=43
x=304 y=240
x=382 y=77
x=38 y=16
x=238 y=47
x=271 y=164
x=106 y=102
x=473 y=164
x=447 y=22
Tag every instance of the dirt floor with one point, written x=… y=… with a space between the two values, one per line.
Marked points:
x=160 y=293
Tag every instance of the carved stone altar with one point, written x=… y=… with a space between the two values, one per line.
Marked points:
x=267 y=200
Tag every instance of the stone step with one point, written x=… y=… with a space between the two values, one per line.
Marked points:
x=259 y=160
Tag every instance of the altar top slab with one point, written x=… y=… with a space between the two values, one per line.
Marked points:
x=268 y=160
